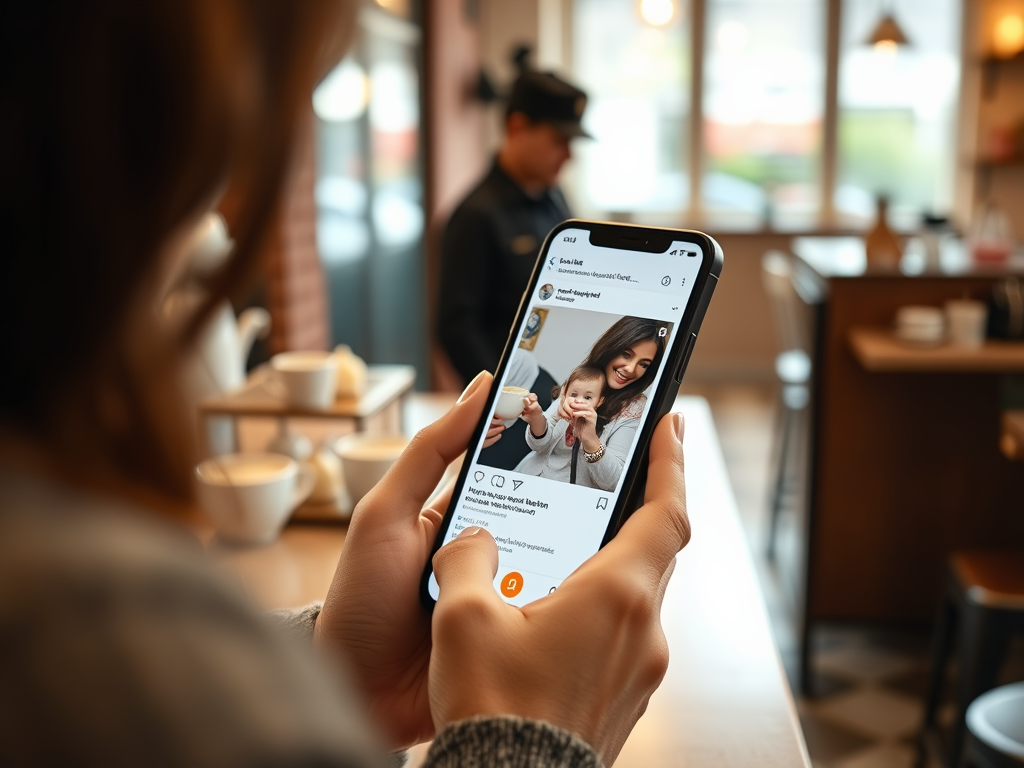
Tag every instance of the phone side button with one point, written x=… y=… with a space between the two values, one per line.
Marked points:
x=686 y=357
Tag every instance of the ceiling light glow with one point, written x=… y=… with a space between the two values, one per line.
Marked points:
x=657 y=13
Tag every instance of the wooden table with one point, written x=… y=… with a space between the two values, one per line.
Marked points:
x=901 y=450
x=724 y=702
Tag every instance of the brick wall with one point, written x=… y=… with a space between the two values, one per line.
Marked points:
x=296 y=290
x=291 y=282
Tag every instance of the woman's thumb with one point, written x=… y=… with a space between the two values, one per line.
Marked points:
x=466 y=566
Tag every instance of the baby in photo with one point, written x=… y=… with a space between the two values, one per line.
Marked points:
x=552 y=438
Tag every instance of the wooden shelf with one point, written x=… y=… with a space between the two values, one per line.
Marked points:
x=876 y=349
x=385 y=384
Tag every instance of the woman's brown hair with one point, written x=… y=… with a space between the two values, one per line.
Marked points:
x=120 y=124
x=625 y=333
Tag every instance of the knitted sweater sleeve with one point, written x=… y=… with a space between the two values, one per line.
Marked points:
x=509 y=742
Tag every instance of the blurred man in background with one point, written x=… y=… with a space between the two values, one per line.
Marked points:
x=494 y=235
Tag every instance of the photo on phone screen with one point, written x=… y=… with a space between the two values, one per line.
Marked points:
x=593 y=343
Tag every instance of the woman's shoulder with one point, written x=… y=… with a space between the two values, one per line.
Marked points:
x=634 y=409
x=115 y=591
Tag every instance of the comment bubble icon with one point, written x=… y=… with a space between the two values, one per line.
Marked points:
x=478 y=475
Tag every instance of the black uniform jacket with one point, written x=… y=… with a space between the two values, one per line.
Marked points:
x=487 y=256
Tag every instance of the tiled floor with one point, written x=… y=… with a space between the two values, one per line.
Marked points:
x=869 y=681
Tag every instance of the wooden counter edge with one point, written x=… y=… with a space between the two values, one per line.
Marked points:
x=877 y=350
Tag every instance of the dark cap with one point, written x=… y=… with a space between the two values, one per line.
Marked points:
x=545 y=97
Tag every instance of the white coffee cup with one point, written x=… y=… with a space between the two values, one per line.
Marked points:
x=966 y=321
x=510 y=402
x=365 y=459
x=249 y=496
x=305 y=380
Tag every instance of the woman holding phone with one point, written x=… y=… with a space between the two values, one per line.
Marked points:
x=122 y=124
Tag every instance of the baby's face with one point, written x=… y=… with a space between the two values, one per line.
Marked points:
x=584 y=392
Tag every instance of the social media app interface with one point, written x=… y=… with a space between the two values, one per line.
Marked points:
x=598 y=314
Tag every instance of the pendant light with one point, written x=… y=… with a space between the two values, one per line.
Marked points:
x=887 y=34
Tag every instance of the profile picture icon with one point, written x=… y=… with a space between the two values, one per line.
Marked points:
x=546 y=291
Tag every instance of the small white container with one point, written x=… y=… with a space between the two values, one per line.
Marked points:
x=966 y=320
x=924 y=326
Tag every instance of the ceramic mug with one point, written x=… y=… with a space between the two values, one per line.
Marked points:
x=249 y=496
x=365 y=459
x=305 y=380
x=510 y=402
x=966 y=321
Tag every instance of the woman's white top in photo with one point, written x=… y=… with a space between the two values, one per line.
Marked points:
x=550 y=457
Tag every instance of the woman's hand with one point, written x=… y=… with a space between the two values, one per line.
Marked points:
x=533 y=415
x=585 y=426
x=564 y=410
x=372 y=616
x=494 y=432
x=588 y=656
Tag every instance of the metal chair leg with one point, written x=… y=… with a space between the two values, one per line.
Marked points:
x=982 y=643
x=785 y=426
x=942 y=643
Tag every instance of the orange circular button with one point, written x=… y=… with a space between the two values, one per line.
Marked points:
x=512 y=584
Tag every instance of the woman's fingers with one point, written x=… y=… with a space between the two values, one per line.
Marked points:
x=416 y=473
x=656 y=532
x=564 y=412
x=465 y=569
x=494 y=432
x=437 y=505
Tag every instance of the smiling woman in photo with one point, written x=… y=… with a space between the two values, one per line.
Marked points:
x=628 y=354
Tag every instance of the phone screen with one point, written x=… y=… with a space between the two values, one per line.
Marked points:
x=598 y=324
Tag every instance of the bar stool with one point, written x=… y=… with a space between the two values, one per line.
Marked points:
x=995 y=729
x=982 y=608
x=793 y=370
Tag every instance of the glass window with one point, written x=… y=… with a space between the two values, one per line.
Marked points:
x=897 y=111
x=764 y=87
x=369 y=191
x=633 y=59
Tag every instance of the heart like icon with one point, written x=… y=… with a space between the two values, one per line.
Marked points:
x=478 y=475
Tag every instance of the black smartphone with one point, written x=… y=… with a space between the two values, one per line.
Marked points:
x=605 y=329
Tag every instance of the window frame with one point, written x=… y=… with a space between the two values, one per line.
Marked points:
x=827 y=219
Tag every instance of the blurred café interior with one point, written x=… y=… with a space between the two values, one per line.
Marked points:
x=855 y=405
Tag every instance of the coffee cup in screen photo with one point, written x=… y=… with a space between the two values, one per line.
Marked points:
x=365 y=459
x=510 y=402
x=249 y=496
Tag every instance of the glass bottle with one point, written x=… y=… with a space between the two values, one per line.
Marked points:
x=881 y=244
x=991 y=235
